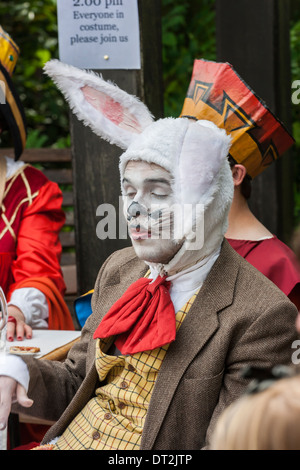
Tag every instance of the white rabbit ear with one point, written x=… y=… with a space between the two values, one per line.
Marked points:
x=204 y=151
x=109 y=111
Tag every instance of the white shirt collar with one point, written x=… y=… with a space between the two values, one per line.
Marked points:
x=12 y=166
x=186 y=283
x=194 y=276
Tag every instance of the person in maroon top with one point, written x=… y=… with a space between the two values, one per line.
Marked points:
x=254 y=242
x=216 y=92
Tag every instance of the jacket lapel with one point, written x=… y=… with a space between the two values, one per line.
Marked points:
x=198 y=327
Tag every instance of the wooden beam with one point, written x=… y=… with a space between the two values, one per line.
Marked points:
x=39 y=155
x=254 y=37
x=95 y=162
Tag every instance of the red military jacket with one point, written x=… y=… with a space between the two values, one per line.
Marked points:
x=31 y=218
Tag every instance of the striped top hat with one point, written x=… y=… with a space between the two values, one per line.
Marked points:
x=12 y=115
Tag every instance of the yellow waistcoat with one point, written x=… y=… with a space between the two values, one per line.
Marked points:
x=115 y=417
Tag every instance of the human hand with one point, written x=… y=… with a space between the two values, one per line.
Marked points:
x=11 y=391
x=16 y=325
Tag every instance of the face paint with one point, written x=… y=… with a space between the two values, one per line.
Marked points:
x=148 y=201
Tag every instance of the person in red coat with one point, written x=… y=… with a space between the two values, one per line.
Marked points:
x=31 y=218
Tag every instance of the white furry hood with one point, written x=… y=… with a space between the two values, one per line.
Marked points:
x=194 y=152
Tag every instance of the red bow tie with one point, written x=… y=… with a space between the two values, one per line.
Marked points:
x=143 y=318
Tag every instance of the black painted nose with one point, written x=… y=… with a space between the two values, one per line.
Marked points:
x=135 y=209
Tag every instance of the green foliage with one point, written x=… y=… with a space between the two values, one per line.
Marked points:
x=295 y=72
x=33 y=26
x=188 y=33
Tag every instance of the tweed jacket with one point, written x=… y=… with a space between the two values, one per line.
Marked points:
x=238 y=318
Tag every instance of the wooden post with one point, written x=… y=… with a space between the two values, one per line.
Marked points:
x=95 y=162
x=254 y=37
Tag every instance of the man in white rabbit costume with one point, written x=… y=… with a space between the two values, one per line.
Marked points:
x=175 y=318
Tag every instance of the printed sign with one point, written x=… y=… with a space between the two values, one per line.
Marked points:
x=99 y=34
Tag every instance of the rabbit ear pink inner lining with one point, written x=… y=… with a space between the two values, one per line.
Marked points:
x=111 y=109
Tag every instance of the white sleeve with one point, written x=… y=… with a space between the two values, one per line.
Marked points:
x=33 y=303
x=14 y=367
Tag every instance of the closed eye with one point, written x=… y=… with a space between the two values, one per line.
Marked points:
x=159 y=196
x=131 y=195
